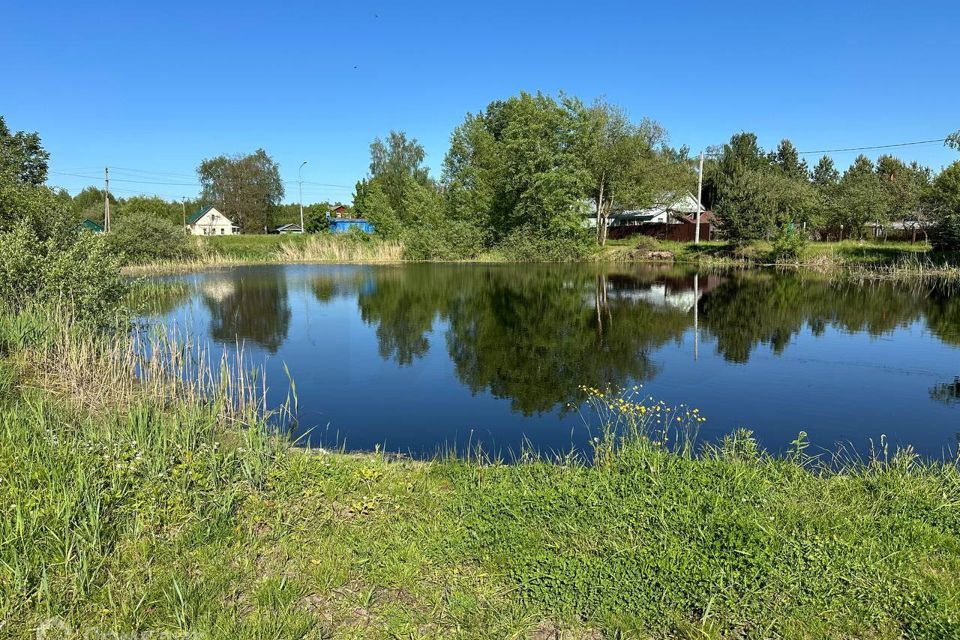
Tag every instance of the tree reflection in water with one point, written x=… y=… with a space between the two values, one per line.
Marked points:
x=536 y=333
x=248 y=305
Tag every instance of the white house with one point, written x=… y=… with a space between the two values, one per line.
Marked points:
x=287 y=229
x=210 y=222
x=669 y=208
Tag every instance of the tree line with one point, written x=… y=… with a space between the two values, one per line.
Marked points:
x=527 y=174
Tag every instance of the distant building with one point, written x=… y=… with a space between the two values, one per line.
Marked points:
x=338 y=210
x=210 y=222
x=343 y=225
x=668 y=209
x=286 y=229
x=90 y=225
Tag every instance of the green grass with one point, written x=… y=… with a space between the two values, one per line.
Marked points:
x=860 y=258
x=862 y=255
x=148 y=514
x=252 y=247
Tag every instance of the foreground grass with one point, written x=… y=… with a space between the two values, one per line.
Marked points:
x=145 y=513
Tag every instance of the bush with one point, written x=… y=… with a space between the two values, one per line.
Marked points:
x=788 y=244
x=443 y=240
x=143 y=238
x=554 y=244
x=645 y=243
x=81 y=274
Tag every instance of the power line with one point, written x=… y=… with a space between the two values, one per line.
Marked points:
x=194 y=184
x=874 y=147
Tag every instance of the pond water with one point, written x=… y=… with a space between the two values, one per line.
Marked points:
x=418 y=358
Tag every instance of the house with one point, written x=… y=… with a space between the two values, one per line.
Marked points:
x=286 y=229
x=338 y=210
x=667 y=209
x=344 y=225
x=210 y=222
x=90 y=225
x=905 y=229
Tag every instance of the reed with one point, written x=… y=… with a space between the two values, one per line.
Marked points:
x=326 y=248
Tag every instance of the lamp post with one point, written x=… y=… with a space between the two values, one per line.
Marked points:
x=300 y=182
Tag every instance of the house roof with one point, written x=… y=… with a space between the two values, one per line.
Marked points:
x=199 y=214
x=643 y=215
x=705 y=216
x=292 y=225
x=91 y=225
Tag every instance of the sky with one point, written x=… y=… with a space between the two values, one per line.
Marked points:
x=151 y=89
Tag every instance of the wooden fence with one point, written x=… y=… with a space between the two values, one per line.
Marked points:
x=661 y=231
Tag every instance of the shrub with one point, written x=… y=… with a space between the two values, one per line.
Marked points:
x=554 y=244
x=645 y=243
x=443 y=240
x=143 y=238
x=788 y=244
x=81 y=274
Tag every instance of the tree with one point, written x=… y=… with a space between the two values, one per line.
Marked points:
x=861 y=198
x=89 y=204
x=22 y=158
x=757 y=194
x=788 y=160
x=825 y=174
x=246 y=188
x=371 y=203
x=943 y=198
x=141 y=236
x=398 y=194
x=520 y=163
x=397 y=164
x=626 y=168
x=904 y=185
x=24 y=199
x=152 y=206
x=953 y=140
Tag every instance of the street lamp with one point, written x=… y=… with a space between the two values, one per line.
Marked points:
x=300 y=181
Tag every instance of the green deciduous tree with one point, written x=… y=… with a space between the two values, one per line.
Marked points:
x=943 y=198
x=520 y=163
x=628 y=163
x=24 y=199
x=245 y=188
x=142 y=236
x=22 y=158
x=398 y=196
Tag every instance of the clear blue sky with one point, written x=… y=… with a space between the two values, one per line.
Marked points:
x=156 y=87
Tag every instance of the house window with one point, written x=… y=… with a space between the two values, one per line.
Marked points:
x=221 y=230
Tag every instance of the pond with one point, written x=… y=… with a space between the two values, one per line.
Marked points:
x=421 y=358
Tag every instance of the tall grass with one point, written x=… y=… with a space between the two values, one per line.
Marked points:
x=329 y=248
x=106 y=440
x=143 y=494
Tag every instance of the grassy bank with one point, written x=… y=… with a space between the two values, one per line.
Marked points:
x=865 y=259
x=162 y=507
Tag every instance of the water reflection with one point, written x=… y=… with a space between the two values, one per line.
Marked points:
x=251 y=307
x=533 y=335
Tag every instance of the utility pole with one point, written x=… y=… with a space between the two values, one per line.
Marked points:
x=303 y=229
x=696 y=231
x=106 y=199
x=183 y=211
